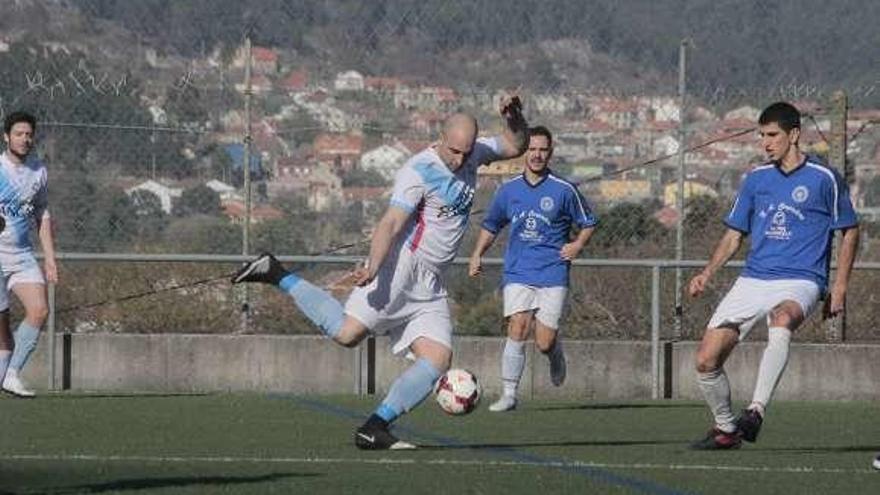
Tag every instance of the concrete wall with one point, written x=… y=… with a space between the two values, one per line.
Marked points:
x=310 y=364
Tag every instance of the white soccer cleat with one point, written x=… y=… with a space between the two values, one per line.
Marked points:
x=557 y=367
x=505 y=403
x=876 y=462
x=13 y=384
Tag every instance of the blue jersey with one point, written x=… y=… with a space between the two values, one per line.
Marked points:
x=791 y=218
x=540 y=218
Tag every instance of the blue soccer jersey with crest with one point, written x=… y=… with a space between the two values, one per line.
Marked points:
x=791 y=218
x=540 y=218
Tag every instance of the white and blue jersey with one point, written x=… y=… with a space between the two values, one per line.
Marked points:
x=441 y=200
x=540 y=218
x=791 y=218
x=23 y=203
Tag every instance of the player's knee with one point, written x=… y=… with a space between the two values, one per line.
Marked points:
x=37 y=314
x=544 y=345
x=781 y=318
x=706 y=362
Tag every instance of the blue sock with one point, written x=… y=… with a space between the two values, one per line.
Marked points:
x=317 y=304
x=410 y=388
x=25 y=342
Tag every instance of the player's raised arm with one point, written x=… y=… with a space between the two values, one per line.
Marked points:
x=726 y=248
x=515 y=138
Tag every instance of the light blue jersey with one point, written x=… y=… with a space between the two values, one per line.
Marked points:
x=440 y=199
x=23 y=203
x=540 y=218
x=791 y=218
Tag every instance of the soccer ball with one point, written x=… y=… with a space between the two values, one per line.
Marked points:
x=457 y=391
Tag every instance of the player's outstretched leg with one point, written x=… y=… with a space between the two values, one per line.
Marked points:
x=513 y=360
x=26 y=337
x=716 y=345
x=316 y=304
x=264 y=269
x=407 y=392
x=770 y=371
x=549 y=342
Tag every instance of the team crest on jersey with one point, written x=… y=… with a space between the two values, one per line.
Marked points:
x=546 y=203
x=800 y=194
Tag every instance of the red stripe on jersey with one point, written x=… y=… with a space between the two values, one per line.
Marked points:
x=420 y=227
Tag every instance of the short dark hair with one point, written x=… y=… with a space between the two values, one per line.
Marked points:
x=784 y=114
x=540 y=130
x=16 y=118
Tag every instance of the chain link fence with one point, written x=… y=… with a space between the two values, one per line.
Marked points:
x=153 y=115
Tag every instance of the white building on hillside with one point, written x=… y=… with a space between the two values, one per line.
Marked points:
x=386 y=160
x=166 y=194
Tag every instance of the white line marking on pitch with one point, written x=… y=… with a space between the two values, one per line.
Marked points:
x=448 y=462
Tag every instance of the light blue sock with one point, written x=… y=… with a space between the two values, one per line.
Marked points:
x=4 y=362
x=410 y=389
x=26 y=336
x=317 y=304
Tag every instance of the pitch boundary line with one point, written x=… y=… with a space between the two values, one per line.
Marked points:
x=430 y=462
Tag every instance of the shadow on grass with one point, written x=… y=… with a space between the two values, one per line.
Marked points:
x=602 y=407
x=525 y=445
x=171 y=482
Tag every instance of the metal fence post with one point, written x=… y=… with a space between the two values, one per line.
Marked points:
x=836 y=329
x=51 y=355
x=655 y=332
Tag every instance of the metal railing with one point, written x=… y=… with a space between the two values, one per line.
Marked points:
x=656 y=266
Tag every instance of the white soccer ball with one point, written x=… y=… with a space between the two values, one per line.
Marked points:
x=457 y=391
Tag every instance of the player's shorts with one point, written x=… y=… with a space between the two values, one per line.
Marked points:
x=18 y=269
x=405 y=301
x=547 y=302
x=751 y=299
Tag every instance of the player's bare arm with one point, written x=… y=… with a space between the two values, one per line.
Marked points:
x=386 y=231
x=47 y=243
x=515 y=138
x=571 y=250
x=484 y=241
x=846 y=256
x=726 y=248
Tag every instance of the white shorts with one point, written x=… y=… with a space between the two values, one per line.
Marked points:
x=22 y=269
x=405 y=301
x=547 y=302
x=751 y=299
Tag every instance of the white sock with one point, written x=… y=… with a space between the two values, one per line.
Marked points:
x=4 y=362
x=772 y=365
x=716 y=391
x=513 y=361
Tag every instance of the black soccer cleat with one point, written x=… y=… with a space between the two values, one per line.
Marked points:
x=375 y=437
x=749 y=424
x=718 y=440
x=265 y=269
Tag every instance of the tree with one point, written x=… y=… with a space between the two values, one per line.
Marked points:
x=872 y=192
x=202 y=234
x=200 y=200
x=626 y=225
x=363 y=178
